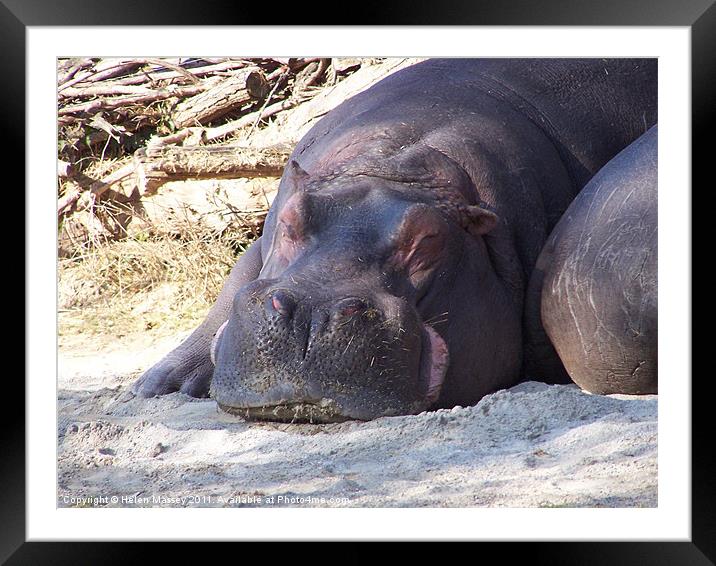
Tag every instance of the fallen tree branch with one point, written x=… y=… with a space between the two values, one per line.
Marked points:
x=176 y=68
x=282 y=77
x=211 y=134
x=107 y=72
x=66 y=203
x=157 y=76
x=156 y=165
x=151 y=167
x=117 y=102
x=73 y=70
x=246 y=85
x=231 y=127
x=104 y=90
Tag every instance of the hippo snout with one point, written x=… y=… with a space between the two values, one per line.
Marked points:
x=304 y=354
x=308 y=326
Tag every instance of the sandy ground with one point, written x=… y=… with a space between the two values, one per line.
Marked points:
x=533 y=445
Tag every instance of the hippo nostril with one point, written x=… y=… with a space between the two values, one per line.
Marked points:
x=281 y=302
x=280 y=307
x=350 y=311
x=350 y=307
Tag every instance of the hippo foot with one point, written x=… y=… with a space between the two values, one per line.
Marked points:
x=170 y=375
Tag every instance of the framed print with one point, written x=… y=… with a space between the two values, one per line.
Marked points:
x=99 y=463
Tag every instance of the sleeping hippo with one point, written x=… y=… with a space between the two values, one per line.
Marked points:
x=394 y=263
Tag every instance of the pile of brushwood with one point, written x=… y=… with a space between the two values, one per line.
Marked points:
x=128 y=126
x=111 y=110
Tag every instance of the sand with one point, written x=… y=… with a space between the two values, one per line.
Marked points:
x=534 y=445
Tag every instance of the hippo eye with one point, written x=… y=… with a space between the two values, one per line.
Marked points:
x=289 y=231
x=424 y=256
x=292 y=218
x=288 y=243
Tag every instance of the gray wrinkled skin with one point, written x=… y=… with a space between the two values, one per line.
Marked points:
x=599 y=295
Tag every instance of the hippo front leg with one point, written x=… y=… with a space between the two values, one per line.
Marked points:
x=188 y=368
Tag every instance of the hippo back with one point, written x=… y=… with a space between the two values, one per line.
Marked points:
x=590 y=108
x=599 y=295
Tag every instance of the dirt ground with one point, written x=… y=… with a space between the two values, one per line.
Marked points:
x=534 y=445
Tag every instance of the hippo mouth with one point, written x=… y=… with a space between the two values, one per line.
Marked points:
x=434 y=361
x=319 y=412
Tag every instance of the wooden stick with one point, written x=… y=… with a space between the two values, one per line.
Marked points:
x=95 y=189
x=231 y=127
x=211 y=134
x=66 y=202
x=154 y=166
x=80 y=77
x=279 y=81
x=171 y=75
x=322 y=66
x=109 y=72
x=111 y=103
x=73 y=70
x=176 y=68
x=243 y=87
x=104 y=90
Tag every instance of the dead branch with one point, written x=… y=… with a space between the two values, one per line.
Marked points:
x=211 y=134
x=112 y=70
x=282 y=77
x=66 y=203
x=246 y=85
x=153 y=166
x=156 y=165
x=104 y=90
x=73 y=70
x=169 y=91
x=231 y=127
x=159 y=76
x=176 y=68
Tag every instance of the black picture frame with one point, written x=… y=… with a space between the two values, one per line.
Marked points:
x=699 y=15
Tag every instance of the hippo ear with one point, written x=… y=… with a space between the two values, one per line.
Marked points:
x=478 y=220
x=295 y=175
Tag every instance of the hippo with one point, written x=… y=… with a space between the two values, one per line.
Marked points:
x=595 y=281
x=392 y=272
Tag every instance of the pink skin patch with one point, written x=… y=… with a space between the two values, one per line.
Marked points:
x=421 y=243
x=291 y=230
x=215 y=341
x=439 y=360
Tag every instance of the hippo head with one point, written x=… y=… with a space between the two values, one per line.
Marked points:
x=344 y=320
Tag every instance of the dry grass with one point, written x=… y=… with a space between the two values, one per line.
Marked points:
x=160 y=282
x=120 y=274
